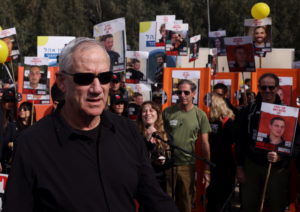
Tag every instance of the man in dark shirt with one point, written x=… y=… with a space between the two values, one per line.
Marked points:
x=133 y=74
x=252 y=163
x=83 y=158
x=108 y=43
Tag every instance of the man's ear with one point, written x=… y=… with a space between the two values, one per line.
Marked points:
x=193 y=93
x=60 y=81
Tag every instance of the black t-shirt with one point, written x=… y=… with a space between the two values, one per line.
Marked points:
x=92 y=134
x=134 y=74
x=114 y=57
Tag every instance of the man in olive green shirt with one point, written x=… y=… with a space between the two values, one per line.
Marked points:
x=184 y=122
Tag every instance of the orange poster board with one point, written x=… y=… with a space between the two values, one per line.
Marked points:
x=202 y=78
x=41 y=109
x=233 y=87
x=294 y=73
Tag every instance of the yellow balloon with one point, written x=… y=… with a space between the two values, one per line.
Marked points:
x=0 y=28
x=3 y=51
x=260 y=10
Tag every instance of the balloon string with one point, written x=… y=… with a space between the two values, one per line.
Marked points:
x=8 y=72
x=12 y=71
x=32 y=113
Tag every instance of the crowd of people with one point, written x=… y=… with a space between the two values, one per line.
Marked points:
x=101 y=148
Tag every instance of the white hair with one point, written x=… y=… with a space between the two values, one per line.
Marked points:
x=66 y=59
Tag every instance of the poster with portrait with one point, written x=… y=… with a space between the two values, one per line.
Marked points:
x=213 y=54
x=285 y=90
x=177 y=39
x=9 y=36
x=194 y=48
x=36 y=80
x=277 y=127
x=51 y=46
x=3 y=180
x=112 y=35
x=136 y=66
x=142 y=88
x=216 y=40
x=161 y=34
x=194 y=76
x=261 y=33
x=240 y=54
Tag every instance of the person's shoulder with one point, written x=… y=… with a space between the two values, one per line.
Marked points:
x=26 y=85
x=39 y=127
x=116 y=120
x=171 y=109
x=113 y=53
x=39 y=131
x=122 y=126
x=41 y=86
x=266 y=139
x=199 y=111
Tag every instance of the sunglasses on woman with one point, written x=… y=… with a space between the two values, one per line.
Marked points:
x=88 y=78
x=24 y=109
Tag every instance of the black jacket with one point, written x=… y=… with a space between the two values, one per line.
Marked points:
x=56 y=168
x=247 y=125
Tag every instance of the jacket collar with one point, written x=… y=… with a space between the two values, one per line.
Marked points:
x=66 y=133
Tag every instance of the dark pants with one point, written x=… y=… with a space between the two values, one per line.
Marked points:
x=221 y=186
x=252 y=189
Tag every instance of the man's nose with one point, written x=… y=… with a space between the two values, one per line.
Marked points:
x=96 y=86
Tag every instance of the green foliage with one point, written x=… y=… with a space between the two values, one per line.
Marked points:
x=77 y=17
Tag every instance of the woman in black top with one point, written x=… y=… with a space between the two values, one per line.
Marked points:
x=150 y=121
x=221 y=141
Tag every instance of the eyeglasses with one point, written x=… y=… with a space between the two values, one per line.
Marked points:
x=179 y=92
x=24 y=109
x=270 y=87
x=88 y=78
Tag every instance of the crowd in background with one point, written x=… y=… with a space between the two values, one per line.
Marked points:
x=224 y=129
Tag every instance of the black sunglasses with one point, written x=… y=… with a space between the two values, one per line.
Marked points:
x=24 y=108
x=88 y=78
x=179 y=92
x=264 y=87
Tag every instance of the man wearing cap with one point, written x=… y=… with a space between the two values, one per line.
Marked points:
x=118 y=105
x=83 y=157
x=116 y=87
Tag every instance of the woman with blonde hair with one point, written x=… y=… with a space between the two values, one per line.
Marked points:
x=149 y=121
x=219 y=109
x=221 y=141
